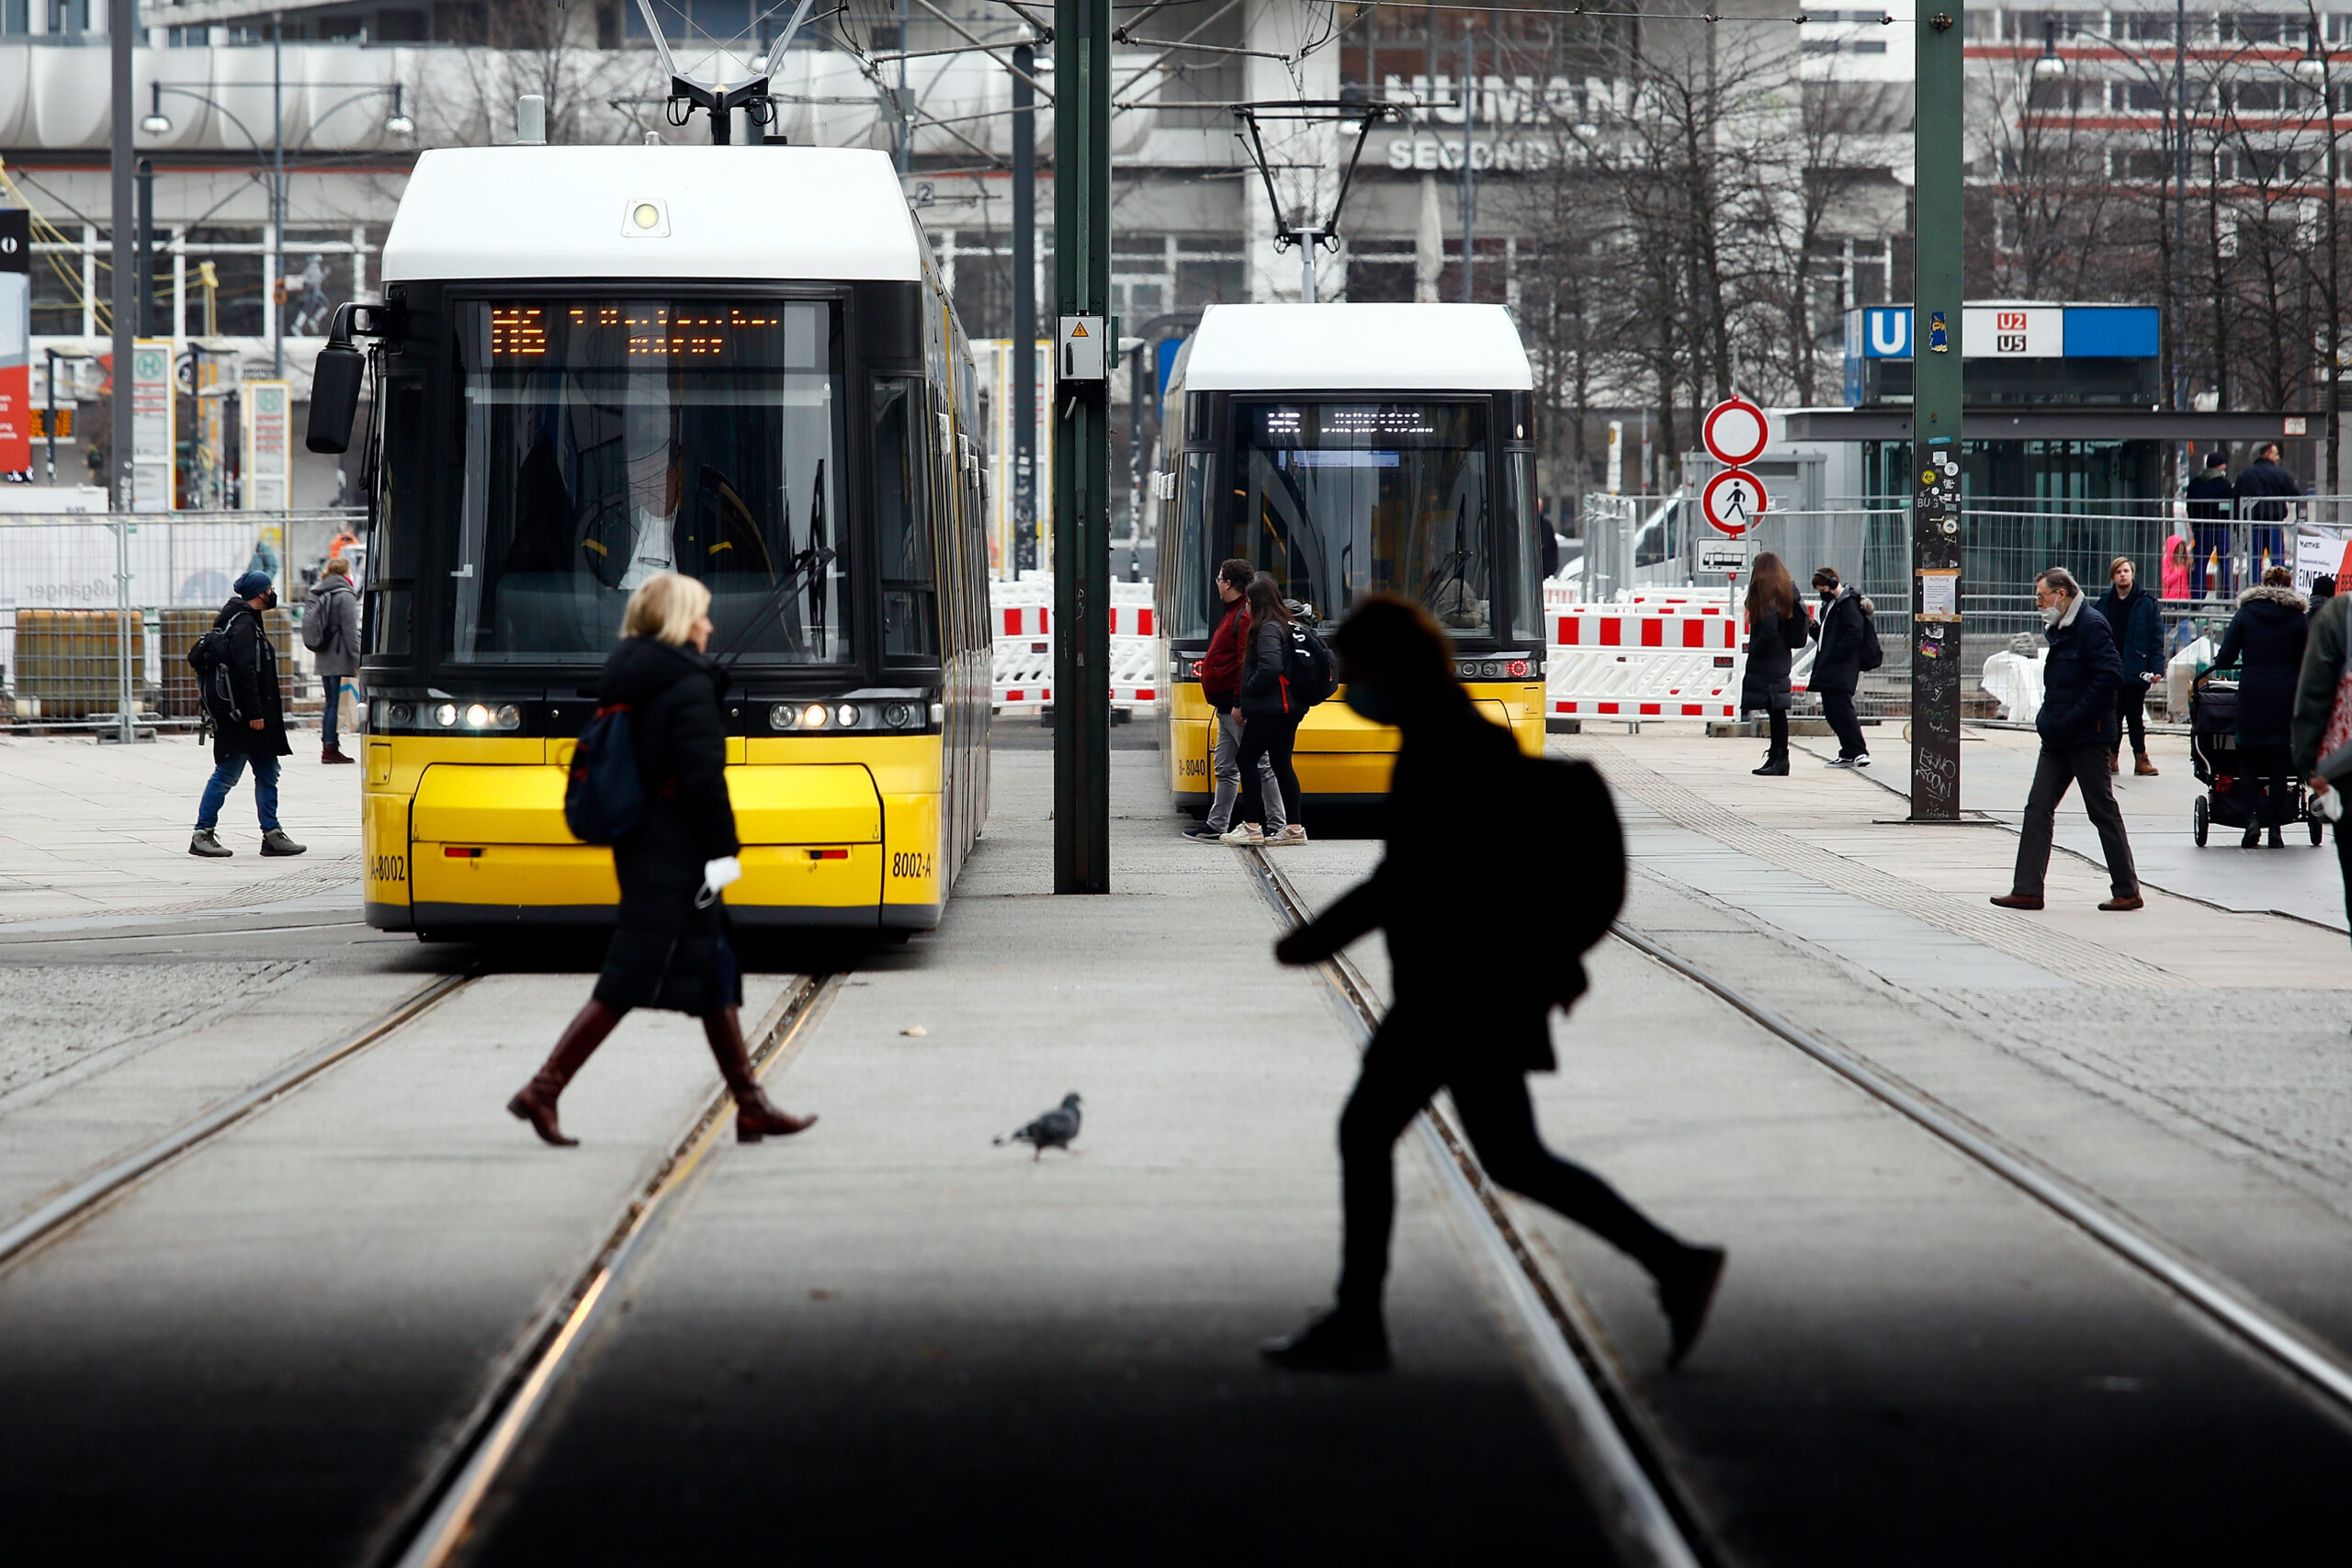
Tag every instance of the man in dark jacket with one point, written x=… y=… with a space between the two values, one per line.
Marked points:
x=2209 y=513
x=1221 y=689
x=1842 y=626
x=2077 y=727
x=2326 y=680
x=2260 y=484
x=255 y=733
x=2131 y=614
x=1476 y=1038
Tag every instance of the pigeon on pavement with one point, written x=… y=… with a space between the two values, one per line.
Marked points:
x=1054 y=1130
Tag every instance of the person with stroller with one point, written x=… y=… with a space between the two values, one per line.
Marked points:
x=1777 y=628
x=2139 y=627
x=2265 y=640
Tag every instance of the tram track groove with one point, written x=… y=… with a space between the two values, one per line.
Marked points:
x=1646 y=1506
x=2306 y=1363
x=435 y=1522
x=55 y=1218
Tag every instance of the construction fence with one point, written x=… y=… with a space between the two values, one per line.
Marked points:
x=97 y=610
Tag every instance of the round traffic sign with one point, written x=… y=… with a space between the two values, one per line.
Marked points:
x=1735 y=432
x=1731 y=501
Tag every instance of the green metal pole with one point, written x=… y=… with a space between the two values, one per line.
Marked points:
x=1935 y=422
x=1082 y=446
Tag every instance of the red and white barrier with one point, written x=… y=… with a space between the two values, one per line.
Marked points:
x=1023 y=615
x=1655 y=657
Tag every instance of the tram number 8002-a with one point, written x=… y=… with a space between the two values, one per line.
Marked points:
x=914 y=866
x=387 y=868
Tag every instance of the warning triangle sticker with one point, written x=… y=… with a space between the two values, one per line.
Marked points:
x=1079 y=331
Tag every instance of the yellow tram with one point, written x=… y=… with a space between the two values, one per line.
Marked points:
x=1348 y=449
x=596 y=364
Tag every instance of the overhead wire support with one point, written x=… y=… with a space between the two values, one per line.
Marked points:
x=988 y=50
x=1038 y=24
x=885 y=58
x=1307 y=236
x=1206 y=47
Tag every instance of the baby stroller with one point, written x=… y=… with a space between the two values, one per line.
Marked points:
x=2213 y=753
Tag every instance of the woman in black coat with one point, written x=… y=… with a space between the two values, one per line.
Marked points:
x=671 y=948
x=1777 y=628
x=1270 y=710
x=2266 y=637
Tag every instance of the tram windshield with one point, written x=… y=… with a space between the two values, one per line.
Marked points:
x=1337 y=499
x=609 y=440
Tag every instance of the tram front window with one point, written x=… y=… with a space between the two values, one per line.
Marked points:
x=1338 y=500
x=609 y=440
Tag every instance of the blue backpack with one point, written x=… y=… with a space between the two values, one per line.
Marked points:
x=604 y=800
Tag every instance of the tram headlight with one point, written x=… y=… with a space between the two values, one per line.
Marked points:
x=478 y=716
x=784 y=715
x=899 y=716
x=1519 y=668
x=816 y=716
x=399 y=715
x=847 y=716
x=446 y=715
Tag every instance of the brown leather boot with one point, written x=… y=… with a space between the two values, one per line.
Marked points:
x=536 y=1103
x=755 y=1117
x=335 y=755
x=2144 y=768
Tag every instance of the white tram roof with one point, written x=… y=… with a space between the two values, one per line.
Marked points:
x=724 y=212
x=1344 y=347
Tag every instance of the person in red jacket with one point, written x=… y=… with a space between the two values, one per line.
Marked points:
x=1221 y=688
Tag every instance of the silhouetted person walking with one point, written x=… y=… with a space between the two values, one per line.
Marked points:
x=1464 y=1016
x=671 y=948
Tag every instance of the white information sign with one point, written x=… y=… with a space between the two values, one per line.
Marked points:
x=1084 y=354
x=1733 y=499
x=269 y=446
x=2012 y=331
x=1724 y=557
x=150 y=425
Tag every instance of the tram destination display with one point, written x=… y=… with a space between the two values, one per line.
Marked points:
x=528 y=335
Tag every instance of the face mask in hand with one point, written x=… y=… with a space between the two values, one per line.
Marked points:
x=1375 y=703
x=2051 y=613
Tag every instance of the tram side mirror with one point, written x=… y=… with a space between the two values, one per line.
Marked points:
x=334 y=387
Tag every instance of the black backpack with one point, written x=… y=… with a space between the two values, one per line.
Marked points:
x=1310 y=671
x=604 y=800
x=209 y=657
x=1872 y=654
x=1578 y=850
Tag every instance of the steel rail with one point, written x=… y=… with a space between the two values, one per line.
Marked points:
x=2316 y=1368
x=441 y=1515
x=70 y=1207
x=1643 y=1505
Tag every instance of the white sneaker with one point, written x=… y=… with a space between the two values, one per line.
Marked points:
x=1244 y=833
x=1838 y=762
x=1293 y=834
x=1864 y=760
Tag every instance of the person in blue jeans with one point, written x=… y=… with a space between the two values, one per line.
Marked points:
x=256 y=732
x=331 y=631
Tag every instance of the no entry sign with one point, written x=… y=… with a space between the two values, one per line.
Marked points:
x=1731 y=501
x=1735 y=432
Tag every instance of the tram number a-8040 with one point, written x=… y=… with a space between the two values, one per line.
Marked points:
x=913 y=866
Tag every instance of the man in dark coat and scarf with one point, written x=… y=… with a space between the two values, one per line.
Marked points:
x=255 y=735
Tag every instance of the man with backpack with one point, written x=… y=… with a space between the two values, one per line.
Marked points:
x=331 y=630
x=1466 y=1016
x=238 y=668
x=1850 y=646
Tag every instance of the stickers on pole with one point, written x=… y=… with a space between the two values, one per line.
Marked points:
x=1731 y=501
x=1735 y=432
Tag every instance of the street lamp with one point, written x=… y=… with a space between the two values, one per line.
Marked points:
x=2050 y=65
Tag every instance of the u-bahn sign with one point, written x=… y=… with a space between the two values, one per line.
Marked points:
x=1731 y=501
x=1735 y=432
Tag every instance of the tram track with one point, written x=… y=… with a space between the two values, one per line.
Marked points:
x=60 y=1214
x=441 y=1516
x=2305 y=1362
x=1649 y=1507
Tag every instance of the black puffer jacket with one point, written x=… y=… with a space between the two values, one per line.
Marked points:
x=1265 y=674
x=2078 y=684
x=2265 y=638
x=666 y=952
x=253 y=674
x=1772 y=643
x=1838 y=666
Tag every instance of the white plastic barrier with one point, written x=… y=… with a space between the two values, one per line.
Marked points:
x=1653 y=657
x=2014 y=681
x=1023 y=617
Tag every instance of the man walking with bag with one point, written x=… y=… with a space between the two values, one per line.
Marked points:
x=1221 y=689
x=331 y=630
x=254 y=730
x=2079 y=728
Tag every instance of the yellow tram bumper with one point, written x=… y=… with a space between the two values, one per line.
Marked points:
x=454 y=844
x=1338 y=756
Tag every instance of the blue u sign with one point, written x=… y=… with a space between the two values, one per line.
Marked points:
x=1886 y=332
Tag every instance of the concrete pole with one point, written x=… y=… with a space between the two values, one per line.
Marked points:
x=1025 y=310
x=123 y=22
x=1936 y=351
x=1082 y=450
